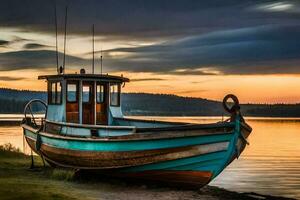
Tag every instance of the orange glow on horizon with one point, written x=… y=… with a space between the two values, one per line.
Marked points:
x=249 y=88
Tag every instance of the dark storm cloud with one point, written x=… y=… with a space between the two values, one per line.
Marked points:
x=15 y=40
x=34 y=46
x=4 y=42
x=36 y=59
x=258 y=50
x=138 y=18
x=201 y=37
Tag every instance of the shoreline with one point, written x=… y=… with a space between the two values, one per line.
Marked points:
x=11 y=121
x=17 y=181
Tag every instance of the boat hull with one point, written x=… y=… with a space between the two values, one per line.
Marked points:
x=190 y=160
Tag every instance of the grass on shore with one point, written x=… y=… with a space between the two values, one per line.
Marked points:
x=17 y=181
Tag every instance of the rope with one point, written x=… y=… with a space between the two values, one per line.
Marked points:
x=32 y=160
x=38 y=145
x=237 y=117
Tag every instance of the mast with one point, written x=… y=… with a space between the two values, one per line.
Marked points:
x=56 y=35
x=93 y=29
x=65 y=39
x=101 y=58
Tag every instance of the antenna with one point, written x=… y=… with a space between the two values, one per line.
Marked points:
x=56 y=34
x=93 y=29
x=65 y=39
x=101 y=58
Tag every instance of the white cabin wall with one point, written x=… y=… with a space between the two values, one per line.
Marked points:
x=57 y=113
x=114 y=111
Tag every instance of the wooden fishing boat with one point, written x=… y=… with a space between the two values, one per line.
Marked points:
x=84 y=128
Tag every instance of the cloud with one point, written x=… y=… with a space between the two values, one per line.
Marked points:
x=9 y=78
x=146 y=79
x=36 y=59
x=191 y=91
x=138 y=19
x=191 y=37
x=256 y=50
x=279 y=6
x=4 y=42
x=34 y=46
x=272 y=49
x=15 y=40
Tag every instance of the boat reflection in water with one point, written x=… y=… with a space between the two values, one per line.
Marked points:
x=84 y=128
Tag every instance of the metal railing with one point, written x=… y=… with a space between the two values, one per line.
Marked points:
x=32 y=120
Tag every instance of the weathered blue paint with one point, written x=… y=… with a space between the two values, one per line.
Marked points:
x=179 y=163
x=140 y=124
x=85 y=132
x=56 y=113
x=212 y=162
x=232 y=147
x=93 y=145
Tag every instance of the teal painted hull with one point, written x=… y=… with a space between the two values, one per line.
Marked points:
x=129 y=145
x=205 y=155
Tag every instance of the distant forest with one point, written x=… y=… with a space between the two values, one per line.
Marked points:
x=13 y=101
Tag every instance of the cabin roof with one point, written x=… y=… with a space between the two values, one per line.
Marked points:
x=100 y=77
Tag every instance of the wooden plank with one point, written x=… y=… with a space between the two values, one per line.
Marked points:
x=139 y=136
x=104 y=160
x=74 y=125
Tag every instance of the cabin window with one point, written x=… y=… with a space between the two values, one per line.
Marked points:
x=58 y=93
x=54 y=93
x=72 y=89
x=115 y=94
x=86 y=94
x=100 y=93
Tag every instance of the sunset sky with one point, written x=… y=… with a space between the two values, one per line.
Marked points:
x=186 y=47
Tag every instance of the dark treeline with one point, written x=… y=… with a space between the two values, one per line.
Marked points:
x=172 y=105
x=23 y=95
x=11 y=105
x=162 y=104
x=275 y=110
x=13 y=101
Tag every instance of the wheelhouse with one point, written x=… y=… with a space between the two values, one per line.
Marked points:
x=84 y=98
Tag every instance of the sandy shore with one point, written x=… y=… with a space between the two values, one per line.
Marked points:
x=17 y=181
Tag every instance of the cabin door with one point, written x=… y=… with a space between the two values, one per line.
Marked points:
x=101 y=103
x=88 y=105
x=72 y=106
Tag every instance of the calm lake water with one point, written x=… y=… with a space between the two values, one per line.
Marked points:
x=270 y=164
